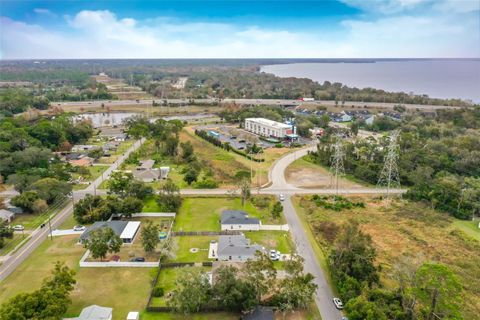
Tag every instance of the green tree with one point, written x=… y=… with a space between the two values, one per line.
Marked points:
x=245 y=192
x=190 y=176
x=169 y=199
x=51 y=189
x=149 y=236
x=5 y=232
x=438 y=292
x=25 y=200
x=231 y=292
x=129 y=206
x=119 y=182
x=49 y=302
x=187 y=151
x=260 y=273
x=192 y=292
x=277 y=210
x=102 y=241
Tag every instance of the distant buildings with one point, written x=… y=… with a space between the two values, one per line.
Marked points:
x=6 y=215
x=268 y=128
x=146 y=173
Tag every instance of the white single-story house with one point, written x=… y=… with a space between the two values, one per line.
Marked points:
x=146 y=175
x=95 y=312
x=236 y=248
x=369 y=120
x=146 y=164
x=6 y=215
x=238 y=220
x=120 y=137
x=126 y=230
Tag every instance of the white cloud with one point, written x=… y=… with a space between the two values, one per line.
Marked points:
x=46 y=12
x=101 y=34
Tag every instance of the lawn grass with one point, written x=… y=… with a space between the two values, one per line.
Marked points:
x=124 y=289
x=469 y=227
x=278 y=240
x=10 y=244
x=203 y=214
x=31 y=221
x=405 y=229
x=184 y=244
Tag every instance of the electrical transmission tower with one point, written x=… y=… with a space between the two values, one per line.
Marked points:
x=337 y=168
x=389 y=176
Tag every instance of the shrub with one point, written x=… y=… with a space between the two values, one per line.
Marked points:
x=158 y=292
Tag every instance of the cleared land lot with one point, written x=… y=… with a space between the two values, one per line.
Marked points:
x=306 y=174
x=407 y=229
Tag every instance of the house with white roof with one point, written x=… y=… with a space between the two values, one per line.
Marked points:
x=126 y=230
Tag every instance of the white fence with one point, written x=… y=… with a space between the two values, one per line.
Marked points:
x=154 y=214
x=274 y=227
x=114 y=264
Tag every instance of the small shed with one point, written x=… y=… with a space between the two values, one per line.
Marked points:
x=133 y=315
x=95 y=312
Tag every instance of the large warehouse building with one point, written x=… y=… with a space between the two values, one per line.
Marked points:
x=268 y=128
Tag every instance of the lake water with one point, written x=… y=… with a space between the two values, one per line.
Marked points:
x=436 y=78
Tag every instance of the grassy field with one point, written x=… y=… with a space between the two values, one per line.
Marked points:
x=10 y=244
x=102 y=286
x=408 y=230
x=184 y=244
x=203 y=214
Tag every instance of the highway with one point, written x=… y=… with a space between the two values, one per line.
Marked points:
x=40 y=234
x=282 y=102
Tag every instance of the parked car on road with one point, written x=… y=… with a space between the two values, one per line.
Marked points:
x=281 y=197
x=79 y=228
x=18 y=227
x=137 y=259
x=338 y=303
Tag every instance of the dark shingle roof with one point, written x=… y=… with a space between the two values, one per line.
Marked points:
x=237 y=217
x=116 y=226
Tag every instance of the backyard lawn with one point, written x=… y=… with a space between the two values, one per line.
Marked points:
x=185 y=243
x=278 y=240
x=102 y=286
x=95 y=172
x=203 y=214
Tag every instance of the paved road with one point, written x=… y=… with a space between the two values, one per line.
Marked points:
x=148 y=102
x=40 y=234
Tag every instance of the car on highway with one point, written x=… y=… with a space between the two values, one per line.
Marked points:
x=338 y=303
x=281 y=197
x=79 y=228
x=137 y=259
x=18 y=227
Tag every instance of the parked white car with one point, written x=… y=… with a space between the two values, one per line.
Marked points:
x=338 y=303
x=18 y=227
x=79 y=228
x=274 y=255
x=281 y=197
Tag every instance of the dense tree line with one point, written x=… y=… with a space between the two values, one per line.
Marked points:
x=439 y=160
x=430 y=291
x=98 y=208
x=241 y=290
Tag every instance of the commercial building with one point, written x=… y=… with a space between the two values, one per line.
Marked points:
x=268 y=128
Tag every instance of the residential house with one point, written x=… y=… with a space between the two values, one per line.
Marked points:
x=110 y=146
x=236 y=248
x=369 y=121
x=126 y=230
x=146 y=175
x=95 y=312
x=146 y=164
x=6 y=215
x=238 y=220
x=120 y=137
x=82 y=162
x=84 y=147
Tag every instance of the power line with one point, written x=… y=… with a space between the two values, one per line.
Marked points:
x=389 y=177
x=338 y=156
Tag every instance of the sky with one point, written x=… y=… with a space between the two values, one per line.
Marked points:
x=239 y=29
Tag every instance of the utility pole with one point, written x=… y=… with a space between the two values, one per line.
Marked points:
x=337 y=168
x=389 y=176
